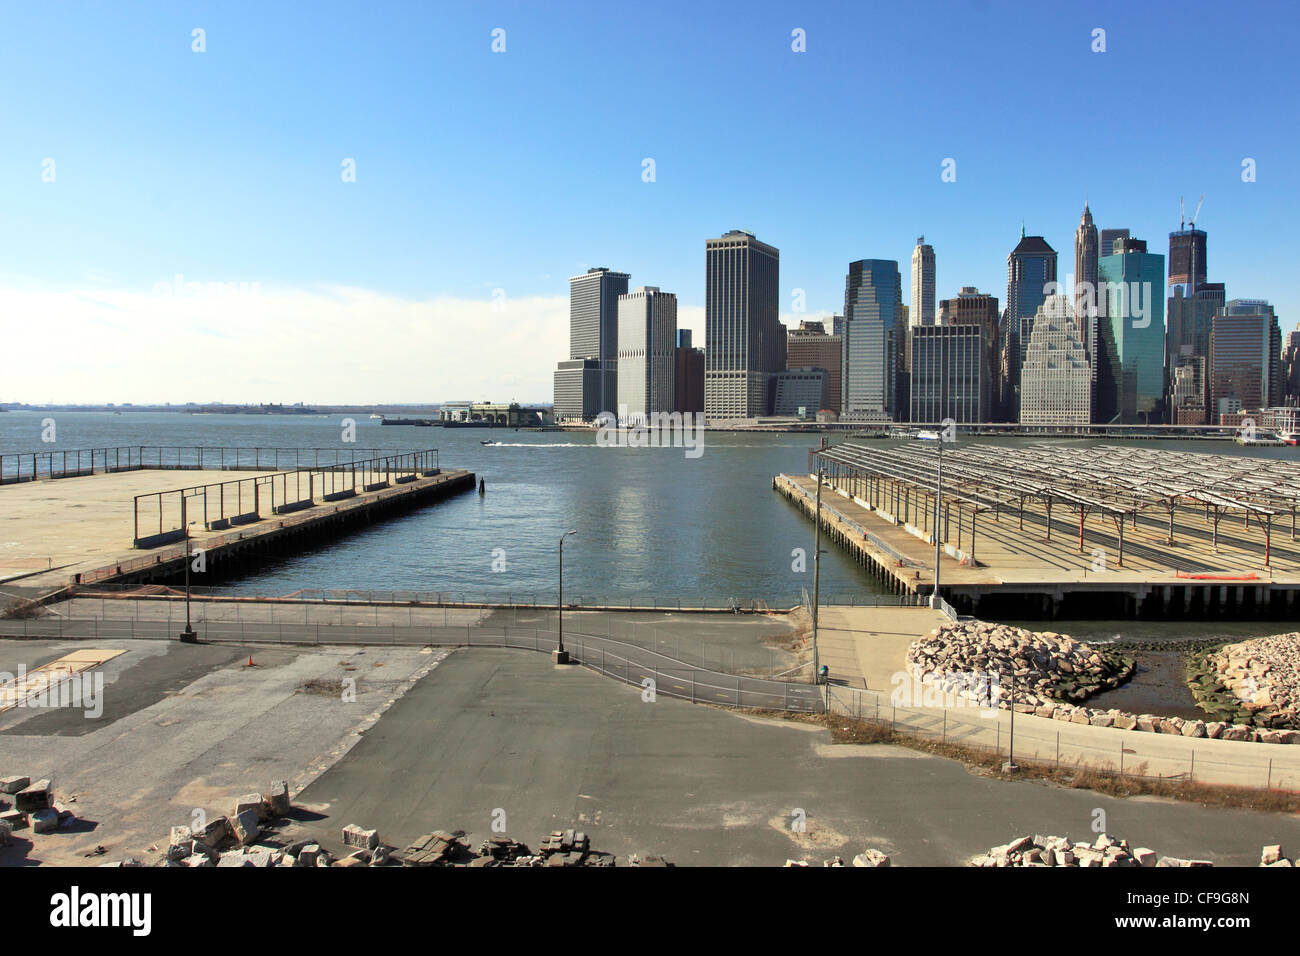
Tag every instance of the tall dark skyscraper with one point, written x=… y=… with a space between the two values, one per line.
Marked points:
x=1187 y=260
x=1031 y=269
x=744 y=337
x=1193 y=304
x=875 y=335
x=1107 y=239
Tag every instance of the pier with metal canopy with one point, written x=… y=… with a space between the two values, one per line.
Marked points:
x=1022 y=519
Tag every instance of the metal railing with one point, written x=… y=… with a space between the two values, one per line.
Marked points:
x=524 y=599
x=653 y=672
x=73 y=462
x=245 y=495
x=898 y=556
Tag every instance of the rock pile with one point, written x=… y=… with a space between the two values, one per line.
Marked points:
x=1105 y=851
x=33 y=806
x=233 y=841
x=1045 y=668
x=1254 y=683
x=1272 y=856
x=1052 y=672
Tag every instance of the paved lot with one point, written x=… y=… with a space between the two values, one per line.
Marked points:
x=187 y=727
x=503 y=729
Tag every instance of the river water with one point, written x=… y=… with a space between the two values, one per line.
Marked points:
x=653 y=524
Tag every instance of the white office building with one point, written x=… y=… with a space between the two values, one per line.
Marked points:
x=647 y=354
x=1055 y=377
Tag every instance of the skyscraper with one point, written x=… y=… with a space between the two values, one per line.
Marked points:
x=744 y=337
x=1085 y=277
x=1187 y=260
x=1131 y=334
x=1107 y=239
x=647 y=333
x=950 y=377
x=593 y=327
x=873 y=339
x=921 y=308
x=1245 y=357
x=810 y=347
x=1031 y=269
x=972 y=307
x=1055 y=382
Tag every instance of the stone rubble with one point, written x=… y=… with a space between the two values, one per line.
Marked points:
x=1050 y=670
x=1104 y=852
x=1255 y=683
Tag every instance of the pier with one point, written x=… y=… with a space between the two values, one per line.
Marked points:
x=132 y=526
x=1042 y=532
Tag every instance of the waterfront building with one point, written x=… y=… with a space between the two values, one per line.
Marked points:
x=921 y=308
x=950 y=374
x=647 y=359
x=1131 y=335
x=689 y=375
x=577 y=390
x=1056 y=382
x=1283 y=419
x=799 y=392
x=1245 y=356
x=874 y=337
x=809 y=346
x=1031 y=271
x=593 y=335
x=744 y=338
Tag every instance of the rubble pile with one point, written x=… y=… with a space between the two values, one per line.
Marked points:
x=32 y=806
x=1272 y=856
x=1041 y=667
x=1255 y=683
x=1105 y=851
x=233 y=840
x=983 y=662
x=867 y=858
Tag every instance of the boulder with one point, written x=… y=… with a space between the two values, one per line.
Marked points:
x=246 y=827
x=354 y=835
x=36 y=796
x=1270 y=855
x=14 y=784
x=871 y=858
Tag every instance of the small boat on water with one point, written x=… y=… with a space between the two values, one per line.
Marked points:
x=925 y=435
x=488 y=442
x=1290 y=438
x=380 y=417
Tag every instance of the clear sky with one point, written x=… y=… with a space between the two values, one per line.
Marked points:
x=478 y=171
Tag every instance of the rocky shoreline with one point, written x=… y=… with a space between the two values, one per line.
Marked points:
x=1254 y=682
x=1051 y=674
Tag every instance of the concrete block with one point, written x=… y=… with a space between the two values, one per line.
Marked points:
x=246 y=827
x=16 y=819
x=13 y=784
x=250 y=801
x=354 y=835
x=277 y=799
x=215 y=833
x=45 y=821
x=308 y=855
x=37 y=796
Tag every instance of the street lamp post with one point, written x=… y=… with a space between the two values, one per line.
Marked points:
x=560 y=655
x=817 y=573
x=187 y=636
x=938 y=545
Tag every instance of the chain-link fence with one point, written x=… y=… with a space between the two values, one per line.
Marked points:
x=1126 y=754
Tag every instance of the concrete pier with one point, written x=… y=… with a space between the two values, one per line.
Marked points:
x=82 y=529
x=1041 y=565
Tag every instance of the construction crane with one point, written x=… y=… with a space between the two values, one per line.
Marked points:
x=1183 y=224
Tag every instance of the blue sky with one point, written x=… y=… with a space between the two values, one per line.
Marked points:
x=478 y=171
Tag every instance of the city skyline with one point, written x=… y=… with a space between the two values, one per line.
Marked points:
x=207 y=177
